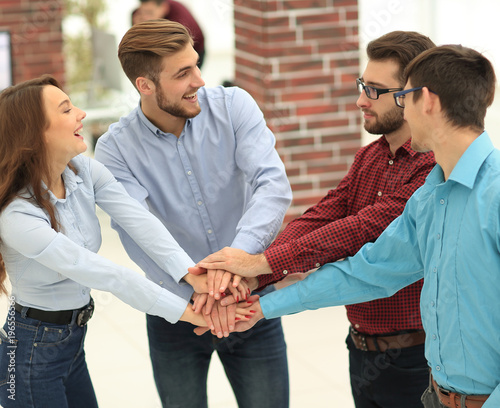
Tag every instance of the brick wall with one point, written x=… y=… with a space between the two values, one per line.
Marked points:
x=36 y=37
x=299 y=59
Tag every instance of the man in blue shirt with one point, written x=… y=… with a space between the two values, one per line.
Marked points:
x=449 y=234
x=203 y=161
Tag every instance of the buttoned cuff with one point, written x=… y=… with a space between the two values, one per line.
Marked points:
x=169 y=306
x=177 y=266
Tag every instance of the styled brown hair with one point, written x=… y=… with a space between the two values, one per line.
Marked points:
x=399 y=46
x=144 y=45
x=463 y=79
x=23 y=153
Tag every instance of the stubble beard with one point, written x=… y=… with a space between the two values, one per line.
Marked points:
x=388 y=123
x=174 y=109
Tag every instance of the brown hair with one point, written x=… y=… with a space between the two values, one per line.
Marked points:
x=23 y=154
x=144 y=45
x=399 y=46
x=463 y=79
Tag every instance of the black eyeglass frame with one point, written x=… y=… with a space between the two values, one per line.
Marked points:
x=378 y=91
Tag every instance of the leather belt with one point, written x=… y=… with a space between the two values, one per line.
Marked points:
x=382 y=343
x=60 y=316
x=454 y=400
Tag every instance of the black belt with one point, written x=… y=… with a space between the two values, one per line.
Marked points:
x=60 y=316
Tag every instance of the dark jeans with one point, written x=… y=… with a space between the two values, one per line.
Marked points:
x=43 y=365
x=430 y=398
x=394 y=379
x=255 y=363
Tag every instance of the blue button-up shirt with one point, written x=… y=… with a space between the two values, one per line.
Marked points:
x=220 y=183
x=52 y=270
x=449 y=234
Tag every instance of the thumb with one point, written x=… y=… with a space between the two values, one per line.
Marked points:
x=196 y=270
x=201 y=330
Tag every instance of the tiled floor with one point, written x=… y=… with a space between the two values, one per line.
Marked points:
x=117 y=352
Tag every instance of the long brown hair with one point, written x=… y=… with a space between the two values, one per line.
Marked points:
x=23 y=154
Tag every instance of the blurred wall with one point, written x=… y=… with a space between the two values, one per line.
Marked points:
x=36 y=37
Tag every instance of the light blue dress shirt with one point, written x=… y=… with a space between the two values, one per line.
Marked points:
x=221 y=183
x=449 y=234
x=52 y=270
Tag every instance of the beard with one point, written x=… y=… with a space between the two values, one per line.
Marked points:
x=175 y=109
x=388 y=123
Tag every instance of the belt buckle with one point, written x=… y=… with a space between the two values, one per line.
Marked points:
x=85 y=314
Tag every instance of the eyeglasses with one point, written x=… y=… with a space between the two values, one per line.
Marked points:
x=372 y=92
x=399 y=97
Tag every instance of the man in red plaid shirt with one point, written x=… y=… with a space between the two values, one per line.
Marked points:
x=386 y=340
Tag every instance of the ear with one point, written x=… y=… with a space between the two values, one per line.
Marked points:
x=145 y=86
x=431 y=102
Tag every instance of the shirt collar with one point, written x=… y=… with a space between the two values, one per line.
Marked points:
x=405 y=147
x=467 y=168
x=146 y=122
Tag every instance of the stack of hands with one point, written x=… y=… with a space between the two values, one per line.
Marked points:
x=223 y=283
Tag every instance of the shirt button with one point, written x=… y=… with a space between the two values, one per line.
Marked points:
x=438 y=368
x=356 y=326
x=285 y=272
x=189 y=172
x=317 y=265
x=441 y=201
x=209 y=231
x=434 y=337
x=179 y=142
x=391 y=161
x=379 y=193
x=200 y=203
x=432 y=303
x=161 y=282
x=438 y=236
x=435 y=270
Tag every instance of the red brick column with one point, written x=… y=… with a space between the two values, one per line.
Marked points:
x=36 y=36
x=299 y=59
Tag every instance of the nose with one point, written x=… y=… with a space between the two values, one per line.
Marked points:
x=81 y=114
x=363 y=101
x=198 y=81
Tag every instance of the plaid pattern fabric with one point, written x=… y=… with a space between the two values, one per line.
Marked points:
x=372 y=194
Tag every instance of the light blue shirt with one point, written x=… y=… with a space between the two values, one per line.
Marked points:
x=449 y=234
x=52 y=270
x=221 y=183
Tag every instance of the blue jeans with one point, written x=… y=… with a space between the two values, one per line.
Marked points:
x=393 y=379
x=254 y=361
x=43 y=365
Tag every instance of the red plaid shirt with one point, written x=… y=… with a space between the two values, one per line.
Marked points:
x=372 y=194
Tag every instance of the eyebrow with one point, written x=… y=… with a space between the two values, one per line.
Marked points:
x=66 y=101
x=187 y=67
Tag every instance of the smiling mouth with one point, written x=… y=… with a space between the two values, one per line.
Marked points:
x=191 y=97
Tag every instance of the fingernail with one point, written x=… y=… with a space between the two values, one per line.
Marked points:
x=237 y=299
x=212 y=328
x=226 y=334
x=223 y=294
x=250 y=303
x=248 y=317
x=222 y=288
x=237 y=318
x=253 y=311
x=248 y=290
x=219 y=334
x=211 y=293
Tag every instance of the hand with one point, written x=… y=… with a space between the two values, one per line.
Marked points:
x=220 y=279
x=198 y=282
x=237 y=262
x=248 y=312
x=252 y=284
